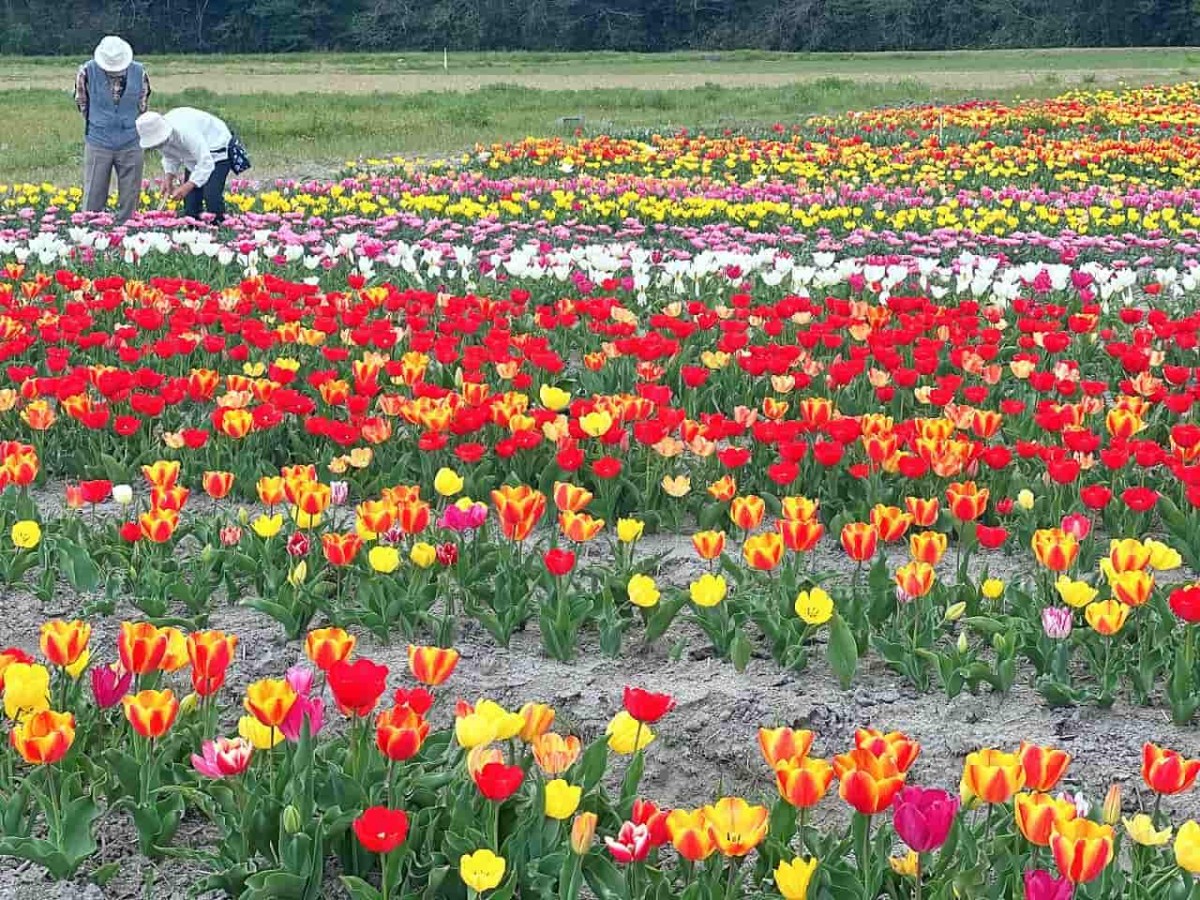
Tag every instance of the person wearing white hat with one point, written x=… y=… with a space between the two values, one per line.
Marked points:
x=195 y=150
x=111 y=91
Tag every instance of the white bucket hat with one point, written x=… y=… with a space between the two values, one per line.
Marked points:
x=113 y=54
x=153 y=130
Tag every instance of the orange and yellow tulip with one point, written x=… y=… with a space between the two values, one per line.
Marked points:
x=1082 y=848
x=270 y=700
x=1043 y=766
x=779 y=744
x=326 y=646
x=1038 y=813
x=802 y=781
x=763 y=551
x=43 y=738
x=992 y=775
x=867 y=782
x=1055 y=549
x=63 y=643
x=738 y=827
x=151 y=713
x=431 y=665
x=890 y=522
x=1167 y=771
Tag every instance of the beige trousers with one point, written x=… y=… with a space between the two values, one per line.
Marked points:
x=99 y=165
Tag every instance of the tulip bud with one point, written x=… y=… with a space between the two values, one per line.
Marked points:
x=962 y=644
x=955 y=611
x=583 y=831
x=122 y=494
x=297 y=575
x=291 y=819
x=188 y=704
x=1112 y=804
x=243 y=515
x=207 y=553
x=1025 y=499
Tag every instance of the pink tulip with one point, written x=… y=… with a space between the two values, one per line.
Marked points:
x=223 y=757
x=1041 y=885
x=632 y=844
x=923 y=817
x=109 y=684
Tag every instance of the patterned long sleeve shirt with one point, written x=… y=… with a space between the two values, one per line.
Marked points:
x=116 y=82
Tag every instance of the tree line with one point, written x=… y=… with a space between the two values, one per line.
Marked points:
x=245 y=26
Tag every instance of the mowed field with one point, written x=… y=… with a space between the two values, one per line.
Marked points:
x=304 y=115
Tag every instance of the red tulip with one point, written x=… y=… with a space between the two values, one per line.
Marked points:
x=646 y=706
x=381 y=830
x=558 y=561
x=1185 y=603
x=498 y=782
x=357 y=686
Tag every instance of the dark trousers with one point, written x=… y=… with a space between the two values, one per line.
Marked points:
x=210 y=197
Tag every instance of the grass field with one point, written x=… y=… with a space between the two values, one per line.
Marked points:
x=305 y=114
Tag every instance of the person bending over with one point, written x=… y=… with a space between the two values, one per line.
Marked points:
x=195 y=153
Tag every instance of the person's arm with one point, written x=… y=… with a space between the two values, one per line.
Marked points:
x=144 y=100
x=168 y=188
x=81 y=91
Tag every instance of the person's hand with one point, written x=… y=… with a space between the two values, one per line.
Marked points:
x=182 y=191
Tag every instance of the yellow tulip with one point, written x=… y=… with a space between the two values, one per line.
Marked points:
x=627 y=735
x=447 y=482
x=562 y=799
x=814 y=607
x=481 y=870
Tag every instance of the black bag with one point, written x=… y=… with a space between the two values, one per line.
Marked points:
x=239 y=159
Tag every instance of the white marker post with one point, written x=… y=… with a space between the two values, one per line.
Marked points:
x=445 y=60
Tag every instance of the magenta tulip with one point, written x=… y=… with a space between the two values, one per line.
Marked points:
x=1041 y=885
x=923 y=816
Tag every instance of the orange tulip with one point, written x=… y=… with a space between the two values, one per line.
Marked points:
x=270 y=490
x=1133 y=587
x=176 y=656
x=1082 y=849
x=170 y=498
x=43 y=738
x=966 y=501
x=554 y=753
x=868 y=782
x=579 y=526
x=63 y=643
x=413 y=517
x=210 y=653
x=800 y=509
x=1055 y=549
x=924 y=512
x=763 y=551
x=340 y=549
x=399 y=733
x=158 y=525
x=691 y=834
x=1107 y=617
x=889 y=522
x=538 y=718
x=816 y=411
x=570 y=497
x=151 y=713
x=895 y=744
x=915 y=578
x=518 y=509
x=431 y=665
x=377 y=516
x=1044 y=766
x=859 y=540
x=162 y=474
x=709 y=544
x=779 y=744
x=747 y=512
x=1128 y=555
x=311 y=497
x=803 y=781
x=141 y=647
x=217 y=484
x=1038 y=813
x=992 y=775
x=800 y=535
x=38 y=415
x=326 y=646
x=738 y=827
x=235 y=423
x=928 y=546
x=1166 y=771
x=270 y=700
x=724 y=489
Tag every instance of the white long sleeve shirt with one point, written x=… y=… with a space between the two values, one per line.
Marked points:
x=198 y=141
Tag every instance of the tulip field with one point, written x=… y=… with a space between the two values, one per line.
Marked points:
x=804 y=513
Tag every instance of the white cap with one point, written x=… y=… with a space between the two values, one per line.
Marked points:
x=113 y=54
x=153 y=130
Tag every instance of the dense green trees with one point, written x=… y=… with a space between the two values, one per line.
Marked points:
x=72 y=26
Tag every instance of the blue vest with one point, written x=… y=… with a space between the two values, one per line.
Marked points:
x=112 y=126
